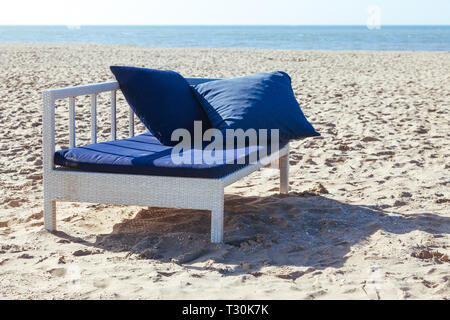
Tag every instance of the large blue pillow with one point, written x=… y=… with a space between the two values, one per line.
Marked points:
x=162 y=100
x=260 y=101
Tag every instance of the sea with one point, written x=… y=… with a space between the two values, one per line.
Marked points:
x=396 y=38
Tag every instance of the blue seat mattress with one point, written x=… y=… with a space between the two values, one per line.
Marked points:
x=143 y=154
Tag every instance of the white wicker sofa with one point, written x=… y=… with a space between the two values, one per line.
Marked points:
x=65 y=184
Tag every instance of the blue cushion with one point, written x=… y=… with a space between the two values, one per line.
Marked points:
x=143 y=154
x=260 y=101
x=162 y=100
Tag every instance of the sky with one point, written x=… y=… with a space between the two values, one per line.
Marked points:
x=223 y=12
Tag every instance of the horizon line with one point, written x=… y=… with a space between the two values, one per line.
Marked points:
x=221 y=25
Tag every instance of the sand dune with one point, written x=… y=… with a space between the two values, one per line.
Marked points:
x=367 y=216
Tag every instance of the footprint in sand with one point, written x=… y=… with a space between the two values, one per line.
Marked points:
x=85 y=252
x=14 y=203
x=189 y=256
x=58 y=272
x=100 y=283
x=369 y=139
x=316 y=294
x=35 y=216
x=291 y=276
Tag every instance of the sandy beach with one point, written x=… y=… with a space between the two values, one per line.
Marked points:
x=367 y=217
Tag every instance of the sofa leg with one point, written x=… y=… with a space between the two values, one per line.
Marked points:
x=50 y=215
x=217 y=225
x=217 y=218
x=284 y=174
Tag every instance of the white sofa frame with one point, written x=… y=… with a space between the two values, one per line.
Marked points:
x=62 y=184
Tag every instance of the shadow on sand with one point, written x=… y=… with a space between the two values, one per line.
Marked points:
x=304 y=230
